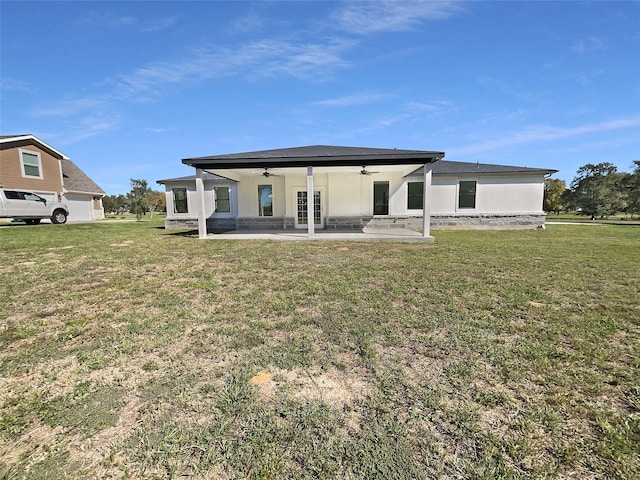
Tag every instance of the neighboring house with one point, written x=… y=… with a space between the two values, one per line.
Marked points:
x=354 y=188
x=28 y=163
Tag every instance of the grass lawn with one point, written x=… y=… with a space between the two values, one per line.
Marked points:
x=128 y=351
x=617 y=219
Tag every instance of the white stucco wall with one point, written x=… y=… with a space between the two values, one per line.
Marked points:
x=510 y=195
x=193 y=202
x=494 y=195
x=352 y=195
x=347 y=194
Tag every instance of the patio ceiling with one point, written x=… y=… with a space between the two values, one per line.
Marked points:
x=239 y=173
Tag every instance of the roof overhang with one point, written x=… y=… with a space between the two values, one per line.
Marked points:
x=83 y=192
x=23 y=139
x=317 y=156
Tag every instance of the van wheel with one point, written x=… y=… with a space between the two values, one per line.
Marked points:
x=33 y=221
x=59 y=216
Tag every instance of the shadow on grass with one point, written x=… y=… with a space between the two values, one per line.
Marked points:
x=195 y=233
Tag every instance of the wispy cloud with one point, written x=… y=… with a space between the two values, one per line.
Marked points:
x=12 y=84
x=106 y=19
x=68 y=108
x=93 y=126
x=391 y=15
x=545 y=133
x=588 y=45
x=430 y=107
x=96 y=113
x=265 y=58
x=109 y=20
x=158 y=24
x=586 y=79
x=365 y=98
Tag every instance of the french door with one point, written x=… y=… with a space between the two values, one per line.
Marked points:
x=302 y=219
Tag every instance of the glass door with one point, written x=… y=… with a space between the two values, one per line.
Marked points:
x=301 y=209
x=381 y=198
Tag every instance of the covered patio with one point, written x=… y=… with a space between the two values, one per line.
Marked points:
x=321 y=201
x=404 y=235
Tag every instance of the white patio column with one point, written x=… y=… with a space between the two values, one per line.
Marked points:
x=426 y=201
x=310 y=204
x=202 y=219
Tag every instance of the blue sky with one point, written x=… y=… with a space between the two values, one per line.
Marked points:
x=128 y=89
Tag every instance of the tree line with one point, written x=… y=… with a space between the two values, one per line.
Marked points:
x=597 y=191
x=140 y=200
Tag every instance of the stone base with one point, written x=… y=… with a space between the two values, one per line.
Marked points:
x=346 y=223
x=180 y=223
x=494 y=221
x=260 y=223
x=212 y=223
x=484 y=221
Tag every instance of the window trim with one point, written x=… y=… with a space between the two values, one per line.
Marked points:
x=21 y=152
x=186 y=200
x=409 y=196
x=261 y=210
x=475 y=195
x=386 y=201
x=228 y=199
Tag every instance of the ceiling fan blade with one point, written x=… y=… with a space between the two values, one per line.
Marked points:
x=268 y=174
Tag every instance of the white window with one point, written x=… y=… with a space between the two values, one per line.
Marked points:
x=467 y=194
x=265 y=200
x=223 y=202
x=31 y=164
x=180 y=200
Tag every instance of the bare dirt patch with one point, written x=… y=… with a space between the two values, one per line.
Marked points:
x=123 y=244
x=89 y=453
x=34 y=443
x=333 y=387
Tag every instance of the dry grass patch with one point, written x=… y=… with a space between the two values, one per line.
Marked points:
x=128 y=352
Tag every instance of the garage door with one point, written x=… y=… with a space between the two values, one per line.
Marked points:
x=80 y=207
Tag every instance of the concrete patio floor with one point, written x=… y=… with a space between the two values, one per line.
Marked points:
x=366 y=235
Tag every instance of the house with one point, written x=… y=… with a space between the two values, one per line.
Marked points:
x=28 y=163
x=353 y=188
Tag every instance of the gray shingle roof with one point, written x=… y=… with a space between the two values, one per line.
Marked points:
x=448 y=167
x=192 y=178
x=75 y=180
x=315 y=156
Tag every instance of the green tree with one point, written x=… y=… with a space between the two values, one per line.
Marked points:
x=115 y=204
x=137 y=197
x=631 y=185
x=554 y=188
x=143 y=199
x=154 y=200
x=595 y=189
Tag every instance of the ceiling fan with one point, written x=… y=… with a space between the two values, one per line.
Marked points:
x=364 y=171
x=268 y=174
